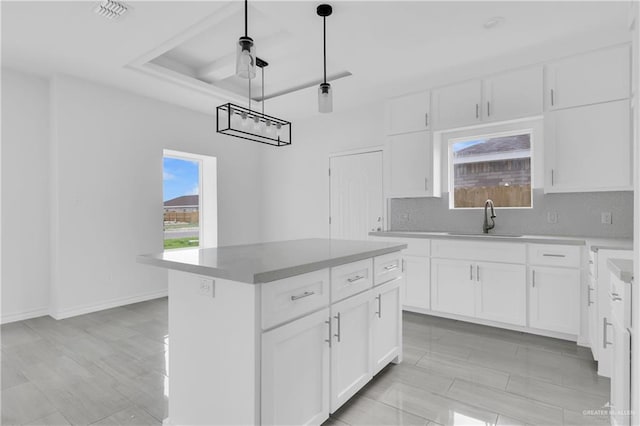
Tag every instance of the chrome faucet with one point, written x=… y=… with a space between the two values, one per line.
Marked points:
x=485 y=226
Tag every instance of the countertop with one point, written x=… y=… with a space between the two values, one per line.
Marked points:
x=265 y=262
x=622 y=268
x=541 y=239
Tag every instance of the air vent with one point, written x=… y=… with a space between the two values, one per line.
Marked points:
x=111 y=9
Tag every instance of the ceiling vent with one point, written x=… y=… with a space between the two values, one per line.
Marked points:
x=111 y=9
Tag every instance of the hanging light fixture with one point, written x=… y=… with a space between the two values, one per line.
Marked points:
x=325 y=94
x=246 y=51
x=244 y=123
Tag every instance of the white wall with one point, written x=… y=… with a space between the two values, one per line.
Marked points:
x=25 y=195
x=100 y=165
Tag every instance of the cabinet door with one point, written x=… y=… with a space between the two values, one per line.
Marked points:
x=592 y=315
x=513 y=95
x=598 y=135
x=452 y=286
x=416 y=281
x=351 y=347
x=409 y=113
x=501 y=292
x=554 y=299
x=620 y=375
x=295 y=372
x=457 y=105
x=411 y=166
x=387 y=324
x=590 y=78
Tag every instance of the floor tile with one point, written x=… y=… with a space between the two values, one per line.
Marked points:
x=579 y=419
x=508 y=421
x=138 y=346
x=110 y=331
x=11 y=376
x=453 y=368
x=333 y=421
x=54 y=330
x=55 y=419
x=361 y=410
x=151 y=329
x=434 y=407
x=24 y=403
x=407 y=374
x=505 y=403
x=553 y=394
x=17 y=333
x=132 y=416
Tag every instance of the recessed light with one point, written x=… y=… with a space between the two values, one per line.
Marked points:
x=494 y=22
x=111 y=9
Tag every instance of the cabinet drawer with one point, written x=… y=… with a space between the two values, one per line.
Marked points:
x=387 y=267
x=479 y=250
x=293 y=297
x=554 y=255
x=352 y=278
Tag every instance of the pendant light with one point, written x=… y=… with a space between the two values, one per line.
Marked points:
x=246 y=51
x=325 y=94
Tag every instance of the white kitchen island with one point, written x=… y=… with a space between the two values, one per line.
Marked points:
x=278 y=333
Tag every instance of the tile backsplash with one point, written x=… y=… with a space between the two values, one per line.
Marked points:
x=578 y=214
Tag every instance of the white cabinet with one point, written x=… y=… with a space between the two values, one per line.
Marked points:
x=387 y=324
x=590 y=78
x=412 y=166
x=351 y=347
x=409 y=113
x=295 y=372
x=453 y=286
x=599 y=136
x=457 y=105
x=554 y=298
x=416 y=282
x=501 y=293
x=513 y=94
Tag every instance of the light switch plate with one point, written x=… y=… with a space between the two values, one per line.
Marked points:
x=552 y=217
x=605 y=218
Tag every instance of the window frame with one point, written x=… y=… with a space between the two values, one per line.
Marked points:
x=471 y=135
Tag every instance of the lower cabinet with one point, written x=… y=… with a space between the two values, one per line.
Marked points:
x=295 y=372
x=486 y=290
x=386 y=324
x=502 y=292
x=452 y=286
x=554 y=297
x=416 y=285
x=351 y=347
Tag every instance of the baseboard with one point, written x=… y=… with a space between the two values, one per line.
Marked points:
x=112 y=303
x=32 y=313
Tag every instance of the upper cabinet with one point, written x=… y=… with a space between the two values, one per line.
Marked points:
x=514 y=94
x=409 y=113
x=505 y=96
x=590 y=78
x=457 y=105
x=412 y=166
x=588 y=148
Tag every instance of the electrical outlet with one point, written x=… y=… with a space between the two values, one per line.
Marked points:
x=605 y=218
x=206 y=286
x=552 y=217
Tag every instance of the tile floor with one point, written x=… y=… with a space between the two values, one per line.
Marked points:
x=110 y=368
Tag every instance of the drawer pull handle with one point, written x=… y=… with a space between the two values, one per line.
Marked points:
x=553 y=255
x=605 y=323
x=356 y=278
x=379 y=313
x=615 y=297
x=328 y=340
x=305 y=294
x=591 y=262
x=589 y=301
x=391 y=267
x=533 y=278
x=338 y=333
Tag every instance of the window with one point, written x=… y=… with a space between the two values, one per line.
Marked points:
x=496 y=167
x=181 y=194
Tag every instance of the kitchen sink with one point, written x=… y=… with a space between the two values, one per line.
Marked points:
x=480 y=234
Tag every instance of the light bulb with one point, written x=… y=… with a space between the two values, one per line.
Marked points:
x=268 y=126
x=278 y=129
x=245 y=121
x=325 y=98
x=256 y=124
x=245 y=58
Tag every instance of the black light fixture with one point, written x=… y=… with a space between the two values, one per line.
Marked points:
x=244 y=123
x=325 y=94
x=246 y=51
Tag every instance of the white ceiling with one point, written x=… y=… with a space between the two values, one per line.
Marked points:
x=386 y=45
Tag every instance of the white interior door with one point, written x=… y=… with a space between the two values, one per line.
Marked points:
x=356 y=195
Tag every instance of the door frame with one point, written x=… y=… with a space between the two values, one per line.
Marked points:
x=359 y=151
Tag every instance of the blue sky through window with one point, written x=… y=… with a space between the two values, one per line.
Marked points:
x=179 y=177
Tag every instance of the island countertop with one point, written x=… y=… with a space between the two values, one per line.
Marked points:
x=266 y=262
